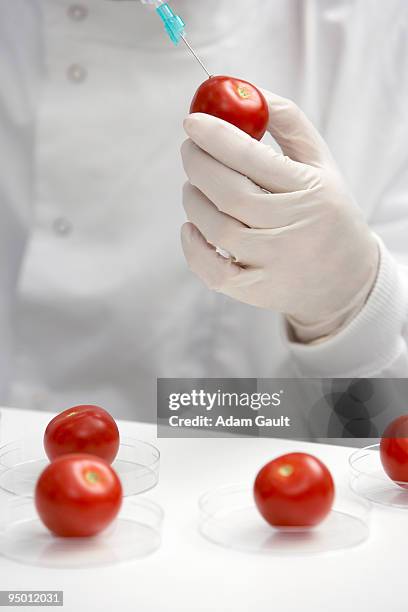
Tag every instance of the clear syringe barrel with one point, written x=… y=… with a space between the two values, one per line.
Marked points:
x=155 y=3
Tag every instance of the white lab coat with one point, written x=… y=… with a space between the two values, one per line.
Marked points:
x=96 y=298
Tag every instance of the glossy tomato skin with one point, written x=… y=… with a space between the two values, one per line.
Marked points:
x=394 y=450
x=82 y=429
x=78 y=495
x=235 y=101
x=294 y=490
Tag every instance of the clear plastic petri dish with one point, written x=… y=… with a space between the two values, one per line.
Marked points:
x=230 y=518
x=135 y=534
x=22 y=461
x=368 y=479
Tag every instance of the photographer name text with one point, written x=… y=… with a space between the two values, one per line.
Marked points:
x=229 y=421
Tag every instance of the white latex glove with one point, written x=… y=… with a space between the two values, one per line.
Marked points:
x=299 y=244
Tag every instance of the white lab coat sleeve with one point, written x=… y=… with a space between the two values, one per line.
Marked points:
x=20 y=76
x=375 y=343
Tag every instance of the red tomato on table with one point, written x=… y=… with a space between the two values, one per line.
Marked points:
x=394 y=450
x=294 y=490
x=78 y=495
x=82 y=429
x=235 y=101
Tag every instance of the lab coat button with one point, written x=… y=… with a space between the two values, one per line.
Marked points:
x=76 y=73
x=62 y=226
x=77 y=12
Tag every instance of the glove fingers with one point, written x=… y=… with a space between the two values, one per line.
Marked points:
x=214 y=270
x=256 y=160
x=218 y=229
x=295 y=134
x=236 y=195
x=231 y=192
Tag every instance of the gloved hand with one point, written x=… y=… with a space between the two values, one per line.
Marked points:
x=299 y=244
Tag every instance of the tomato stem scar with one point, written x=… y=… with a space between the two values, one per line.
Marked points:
x=243 y=92
x=286 y=470
x=92 y=477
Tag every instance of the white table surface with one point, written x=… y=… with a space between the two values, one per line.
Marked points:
x=190 y=574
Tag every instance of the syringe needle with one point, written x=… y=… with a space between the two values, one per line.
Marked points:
x=190 y=48
x=175 y=28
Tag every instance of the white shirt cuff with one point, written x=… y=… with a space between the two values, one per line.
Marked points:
x=370 y=342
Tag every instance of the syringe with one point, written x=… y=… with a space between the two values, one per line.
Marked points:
x=175 y=27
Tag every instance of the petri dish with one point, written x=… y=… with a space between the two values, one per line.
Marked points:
x=229 y=518
x=22 y=461
x=369 y=480
x=135 y=534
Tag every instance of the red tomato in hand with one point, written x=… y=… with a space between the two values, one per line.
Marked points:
x=78 y=495
x=82 y=429
x=294 y=490
x=235 y=101
x=394 y=450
